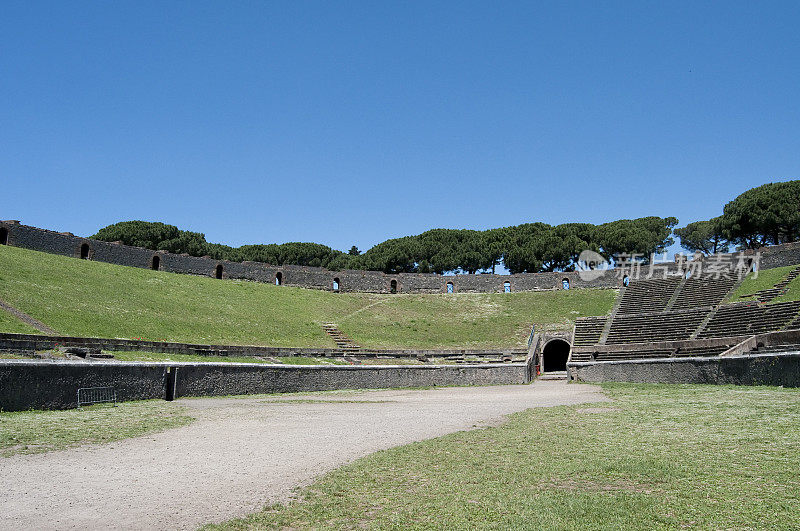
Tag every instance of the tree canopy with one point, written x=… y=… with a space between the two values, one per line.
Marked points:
x=703 y=236
x=768 y=214
x=763 y=215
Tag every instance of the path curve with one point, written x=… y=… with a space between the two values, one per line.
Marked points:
x=243 y=453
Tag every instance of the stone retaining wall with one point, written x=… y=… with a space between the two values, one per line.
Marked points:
x=755 y=369
x=54 y=384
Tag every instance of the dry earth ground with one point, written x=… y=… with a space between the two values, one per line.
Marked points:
x=243 y=453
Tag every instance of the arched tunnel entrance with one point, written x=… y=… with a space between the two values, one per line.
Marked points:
x=554 y=355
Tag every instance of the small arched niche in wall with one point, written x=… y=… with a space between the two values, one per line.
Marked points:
x=84 y=252
x=506 y=287
x=626 y=280
x=155 y=263
x=218 y=271
x=450 y=287
x=336 y=284
x=565 y=283
x=393 y=286
x=278 y=278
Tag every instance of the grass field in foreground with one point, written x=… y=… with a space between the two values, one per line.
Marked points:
x=657 y=457
x=26 y=432
x=80 y=297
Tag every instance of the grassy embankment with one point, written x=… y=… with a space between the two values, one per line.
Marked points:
x=79 y=297
x=657 y=457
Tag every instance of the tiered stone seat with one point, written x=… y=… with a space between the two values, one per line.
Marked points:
x=750 y=318
x=660 y=326
x=588 y=330
x=651 y=295
x=580 y=356
x=777 y=349
x=699 y=292
x=701 y=351
x=634 y=354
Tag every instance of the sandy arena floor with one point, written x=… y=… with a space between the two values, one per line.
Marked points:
x=243 y=453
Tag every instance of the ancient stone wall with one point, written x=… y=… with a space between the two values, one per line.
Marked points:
x=753 y=369
x=780 y=255
x=67 y=244
x=54 y=384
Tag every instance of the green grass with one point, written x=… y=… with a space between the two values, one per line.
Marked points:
x=13 y=356
x=792 y=293
x=469 y=319
x=27 y=432
x=657 y=457
x=79 y=297
x=12 y=325
x=765 y=280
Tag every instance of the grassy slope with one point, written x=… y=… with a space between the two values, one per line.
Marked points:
x=793 y=293
x=28 y=432
x=664 y=456
x=78 y=297
x=765 y=280
x=10 y=324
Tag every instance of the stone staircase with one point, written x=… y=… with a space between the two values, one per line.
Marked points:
x=651 y=295
x=766 y=295
x=588 y=330
x=343 y=342
x=553 y=375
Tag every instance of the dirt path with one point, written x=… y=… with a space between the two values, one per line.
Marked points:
x=242 y=454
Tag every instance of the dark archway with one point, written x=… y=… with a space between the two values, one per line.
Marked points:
x=554 y=355
x=336 y=284
x=393 y=286
x=85 y=251
x=155 y=264
x=564 y=283
x=450 y=287
x=218 y=271
x=278 y=278
x=506 y=287
x=3 y=236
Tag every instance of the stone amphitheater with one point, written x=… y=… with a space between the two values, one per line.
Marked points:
x=673 y=327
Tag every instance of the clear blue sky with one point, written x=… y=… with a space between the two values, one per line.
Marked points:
x=350 y=123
